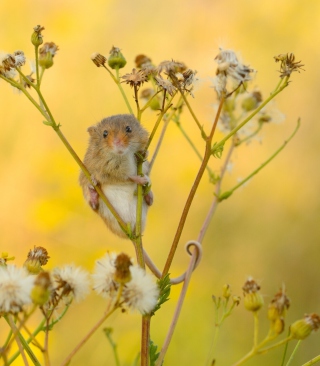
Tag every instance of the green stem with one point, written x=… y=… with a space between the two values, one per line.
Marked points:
x=251 y=135
x=256 y=329
x=162 y=113
x=229 y=192
x=182 y=130
x=89 y=334
x=37 y=64
x=313 y=361
x=262 y=105
x=117 y=81
x=23 y=345
x=293 y=352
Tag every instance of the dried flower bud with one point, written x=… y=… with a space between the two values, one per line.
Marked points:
x=116 y=59
x=142 y=61
x=41 y=291
x=37 y=258
x=36 y=37
x=278 y=305
x=253 y=300
x=302 y=328
x=98 y=59
x=122 y=269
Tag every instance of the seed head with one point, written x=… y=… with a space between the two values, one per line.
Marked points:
x=116 y=59
x=253 y=300
x=98 y=59
x=135 y=78
x=36 y=37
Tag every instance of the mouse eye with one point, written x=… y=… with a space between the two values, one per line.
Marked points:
x=105 y=133
x=128 y=129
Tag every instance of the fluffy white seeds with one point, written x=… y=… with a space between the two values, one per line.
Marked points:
x=15 y=288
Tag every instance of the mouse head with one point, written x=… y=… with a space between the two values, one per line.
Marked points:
x=119 y=134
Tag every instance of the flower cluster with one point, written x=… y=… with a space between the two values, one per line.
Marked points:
x=139 y=291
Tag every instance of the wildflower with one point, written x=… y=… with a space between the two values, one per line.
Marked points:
x=165 y=84
x=288 y=64
x=253 y=300
x=36 y=37
x=70 y=281
x=15 y=288
x=302 y=328
x=98 y=60
x=278 y=305
x=136 y=78
x=141 y=293
x=116 y=59
x=37 y=258
x=103 y=277
x=220 y=84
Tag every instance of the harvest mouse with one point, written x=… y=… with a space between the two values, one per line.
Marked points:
x=111 y=161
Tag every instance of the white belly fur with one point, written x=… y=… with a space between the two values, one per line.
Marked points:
x=123 y=199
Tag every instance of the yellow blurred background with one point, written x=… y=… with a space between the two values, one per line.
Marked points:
x=268 y=229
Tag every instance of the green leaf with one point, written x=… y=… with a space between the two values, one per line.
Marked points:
x=153 y=354
x=165 y=287
x=47 y=123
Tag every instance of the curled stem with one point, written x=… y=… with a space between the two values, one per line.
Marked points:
x=192 y=193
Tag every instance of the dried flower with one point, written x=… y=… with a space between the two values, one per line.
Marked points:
x=165 y=84
x=171 y=67
x=135 y=78
x=288 y=64
x=37 y=258
x=302 y=328
x=98 y=59
x=70 y=281
x=142 y=61
x=278 y=305
x=103 y=277
x=20 y=58
x=253 y=300
x=15 y=288
x=122 y=268
x=141 y=293
x=116 y=59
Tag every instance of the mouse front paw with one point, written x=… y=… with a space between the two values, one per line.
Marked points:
x=93 y=198
x=140 y=180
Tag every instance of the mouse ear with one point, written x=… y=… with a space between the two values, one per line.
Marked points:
x=91 y=130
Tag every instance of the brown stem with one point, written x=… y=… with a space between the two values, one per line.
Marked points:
x=192 y=193
x=145 y=340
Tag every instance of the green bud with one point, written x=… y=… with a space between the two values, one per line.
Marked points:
x=36 y=37
x=225 y=195
x=300 y=329
x=45 y=61
x=253 y=301
x=116 y=59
